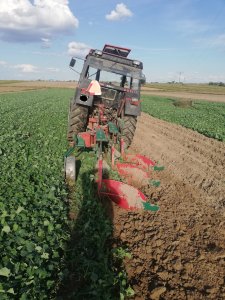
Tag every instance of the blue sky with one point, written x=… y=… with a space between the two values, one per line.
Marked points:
x=175 y=39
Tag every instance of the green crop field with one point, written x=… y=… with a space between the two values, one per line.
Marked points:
x=207 y=118
x=42 y=252
x=33 y=222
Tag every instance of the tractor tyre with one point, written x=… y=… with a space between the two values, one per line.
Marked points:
x=129 y=127
x=77 y=121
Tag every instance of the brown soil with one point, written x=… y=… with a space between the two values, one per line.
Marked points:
x=135 y=176
x=178 y=252
x=185 y=95
x=35 y=85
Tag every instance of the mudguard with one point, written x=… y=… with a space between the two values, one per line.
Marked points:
x=132 y=110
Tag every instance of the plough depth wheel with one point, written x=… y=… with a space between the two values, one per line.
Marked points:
x=70 y=169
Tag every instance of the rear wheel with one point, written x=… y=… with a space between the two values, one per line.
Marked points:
x=78 y=118
x=129 y=127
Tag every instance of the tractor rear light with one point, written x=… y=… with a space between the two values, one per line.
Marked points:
x=136 y=63
x=135 y=101
x=98 y=52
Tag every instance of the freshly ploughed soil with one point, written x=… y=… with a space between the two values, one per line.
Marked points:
x=178 y=252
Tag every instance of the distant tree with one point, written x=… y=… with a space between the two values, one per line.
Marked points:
x=217 y=83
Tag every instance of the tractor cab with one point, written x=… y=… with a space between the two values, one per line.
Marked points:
x=111 y=80
x=118 y=76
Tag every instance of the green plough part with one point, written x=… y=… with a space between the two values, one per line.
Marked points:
x=113 y=128
x=100 y=136
x=148 y=206
x=69 y=151
x=156 y=168
x=79 y=142
x=155 y=183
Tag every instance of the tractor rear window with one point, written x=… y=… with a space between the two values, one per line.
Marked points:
x=111 y=78
x=115 y=67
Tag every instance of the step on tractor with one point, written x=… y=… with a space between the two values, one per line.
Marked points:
x=102 y=117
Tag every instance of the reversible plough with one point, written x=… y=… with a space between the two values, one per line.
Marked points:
x=103 y=116
x=136 y=170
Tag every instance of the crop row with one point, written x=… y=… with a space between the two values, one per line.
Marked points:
x=43 y=255
x=33 y=213
x=205 y=117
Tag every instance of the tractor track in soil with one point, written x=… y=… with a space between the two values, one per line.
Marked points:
x=178 y=252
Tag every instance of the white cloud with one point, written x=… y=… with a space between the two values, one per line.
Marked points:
x=191 y=26
x=23 y=20
x=120 y=12
x=53 y=70
x=48 y=53
x=46 y=43
x=26 y=68
x=3 y=63
x=78 y=49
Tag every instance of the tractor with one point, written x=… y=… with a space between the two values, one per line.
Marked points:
x=120 y=80
x=102 y=117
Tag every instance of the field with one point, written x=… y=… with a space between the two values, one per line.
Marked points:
x=183 y=91
x=12 y=86
x=186 y=91
x=101 y=251
x=33 y=212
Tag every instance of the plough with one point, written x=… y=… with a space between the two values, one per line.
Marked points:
x=136 y=170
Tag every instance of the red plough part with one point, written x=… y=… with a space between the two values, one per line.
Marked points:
x=141 y=161
x=124 y=195
x=132 y=174
x=134 y=169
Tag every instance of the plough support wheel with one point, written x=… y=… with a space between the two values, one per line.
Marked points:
x=70 y=169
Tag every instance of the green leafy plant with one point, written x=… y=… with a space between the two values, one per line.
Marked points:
x=42 y=253
x=33 y=212
x=202 y=116
x=121 y=253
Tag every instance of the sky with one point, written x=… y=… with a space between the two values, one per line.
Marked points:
x=177 y=40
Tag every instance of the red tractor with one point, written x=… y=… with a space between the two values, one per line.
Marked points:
x=103 y=117
x=120 y=80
